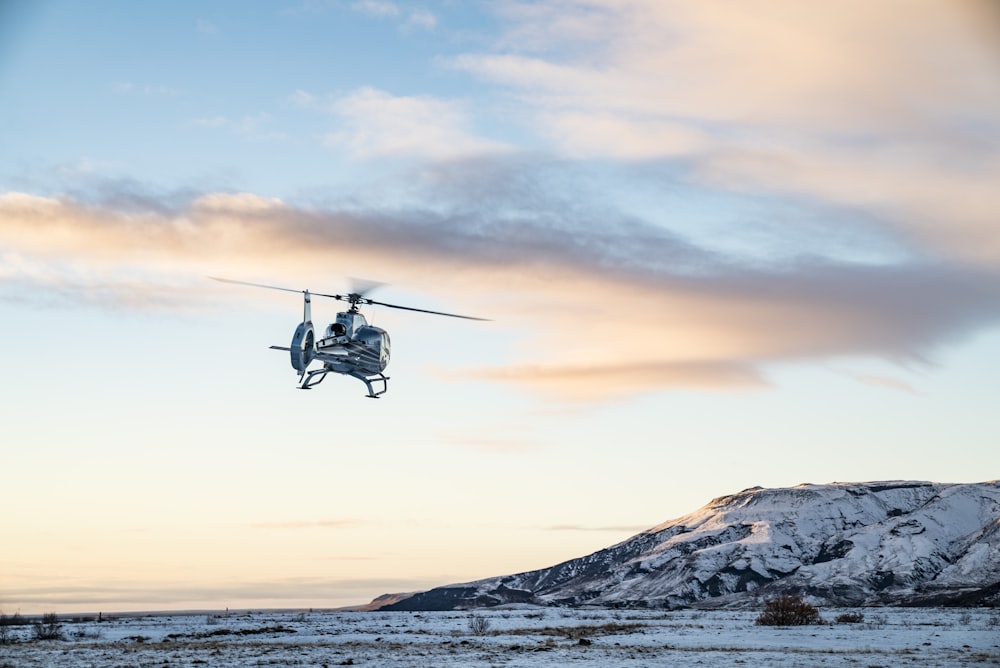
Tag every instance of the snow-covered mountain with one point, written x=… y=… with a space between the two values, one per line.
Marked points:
x=893 y=543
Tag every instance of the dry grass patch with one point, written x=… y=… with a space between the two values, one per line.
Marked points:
x=577 y=632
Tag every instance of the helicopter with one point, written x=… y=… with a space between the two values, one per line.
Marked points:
x=349 y=346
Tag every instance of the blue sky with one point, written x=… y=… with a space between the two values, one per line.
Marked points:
x=722 y=245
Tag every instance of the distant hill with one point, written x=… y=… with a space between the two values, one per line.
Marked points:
x=380 y=602
x=848 y=544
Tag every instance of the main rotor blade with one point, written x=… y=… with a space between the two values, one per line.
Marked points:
x=423 y=310
x=362 y=286
x=354 y=298
x=275 y=287
x=255 y=285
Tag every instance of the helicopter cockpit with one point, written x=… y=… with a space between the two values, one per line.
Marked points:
x=336 y=329
x=346 y=328
x=350 y=322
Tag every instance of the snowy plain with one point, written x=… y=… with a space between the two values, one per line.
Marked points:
x=515 y=637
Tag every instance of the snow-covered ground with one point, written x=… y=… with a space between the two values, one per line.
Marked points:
x=515 y=637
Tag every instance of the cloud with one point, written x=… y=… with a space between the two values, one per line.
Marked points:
x=377 y=8
x=378 y=124
x=410 y=18
x=890 y=383
x=310 y=7
x=500 y=438
x=579 y=527
x=598 y=304
x=421 y=18
x=211 y=122
x=302 y=99
x=147 y=90
x=251 y=126
x=584 y=382
x=82 y=594
x=83 y=167
x=309 y=524
x=888 y=110
x=886 y=382
x=206 y=27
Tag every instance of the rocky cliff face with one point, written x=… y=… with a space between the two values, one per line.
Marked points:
x=878 y=543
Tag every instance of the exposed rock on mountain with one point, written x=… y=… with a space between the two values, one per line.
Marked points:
x=878 y=543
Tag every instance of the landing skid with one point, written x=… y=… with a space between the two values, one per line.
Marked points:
x=313 y=378
x=316 y=376
x=381 y=378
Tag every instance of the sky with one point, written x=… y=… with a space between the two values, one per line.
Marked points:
x=720 y=244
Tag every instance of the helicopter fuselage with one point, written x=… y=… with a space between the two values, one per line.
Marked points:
x=350 y=343
x=350 y=346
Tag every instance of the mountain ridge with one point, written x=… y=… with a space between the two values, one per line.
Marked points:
x=897 y=542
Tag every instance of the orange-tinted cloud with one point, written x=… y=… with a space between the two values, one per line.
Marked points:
x=597 y=308
x=583 y=382
x=887 y=115
x=306 y=524
x=887 y=383
x=890 y=109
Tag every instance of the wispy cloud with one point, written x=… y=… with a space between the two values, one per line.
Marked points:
x=146 y=90
x=211 y=122
x=602 y=306
x=378 y=124
x=310 y=7
x=206 y=27
x=586 y=382
x=83 y=167
x=305 y=524
x=623 y=528
x=378 y=8
x=303 y=99
x=253 y=127
x=421 y=18
x=883 y=110
x=880 y=118
x=498 y=439
x=82 y=594
x=406 y=16
x=876 y=380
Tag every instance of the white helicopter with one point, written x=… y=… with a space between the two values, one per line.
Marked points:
x=350 y=346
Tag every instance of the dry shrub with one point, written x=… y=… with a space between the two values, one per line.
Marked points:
x=850 y=618
x=788 y=611
x=479 y=625
x=49 y=628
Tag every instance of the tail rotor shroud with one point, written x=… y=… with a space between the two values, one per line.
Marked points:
x=303 y=347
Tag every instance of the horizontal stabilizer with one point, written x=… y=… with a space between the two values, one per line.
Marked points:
x=286 y=349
